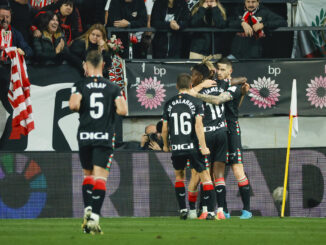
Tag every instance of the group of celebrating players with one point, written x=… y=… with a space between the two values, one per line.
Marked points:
x=200 y=128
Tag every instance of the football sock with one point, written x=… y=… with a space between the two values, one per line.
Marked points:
x=98 y=194
x=87 y=190
x=192 y=199
x=220 y=192
x=201 y=197
x=209 y=196
x=244 y=189
x=180 y=193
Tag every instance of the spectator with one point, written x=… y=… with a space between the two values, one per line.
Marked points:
x=51 y=47
x=208 y=13
x=95 y=38
x=152 y=139
x=256 y=21
x=10 y=37
x=172 y=15
x=128 y=14
x=21 y=18
x=69 y=17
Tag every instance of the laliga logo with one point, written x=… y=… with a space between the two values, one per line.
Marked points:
x=182 y=147
x=94 y=136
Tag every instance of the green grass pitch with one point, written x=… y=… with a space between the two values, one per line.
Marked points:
x=166 y=230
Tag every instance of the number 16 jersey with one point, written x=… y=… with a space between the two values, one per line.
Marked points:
x=180 y=112
x=97 y=112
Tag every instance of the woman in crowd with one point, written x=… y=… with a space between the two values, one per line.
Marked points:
x=70 y=21
x=94 y=38
x=172 y=15
x=50 y=47
x=207 y=13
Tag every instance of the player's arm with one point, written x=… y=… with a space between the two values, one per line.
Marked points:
x=238 y=80
x=165 y=131
x=205 y=84
x=199 y=128
x=215 y=99
x=74 y=101
x=244 y=90
x=121 y=106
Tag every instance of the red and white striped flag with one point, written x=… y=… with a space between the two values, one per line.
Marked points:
x=294 y=109
x=19 y=95
x=40 y=3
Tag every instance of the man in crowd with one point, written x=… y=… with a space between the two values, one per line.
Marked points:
x=256 y=21
x=183 y=134
x=97 y=101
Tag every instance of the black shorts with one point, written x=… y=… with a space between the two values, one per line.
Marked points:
x=234 y=154
x=95 y=155
x=197 y=161
x=217 y=142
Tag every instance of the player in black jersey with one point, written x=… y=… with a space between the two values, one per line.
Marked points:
x=233 y=96
x=183 y=134
x=97 y=101
x=215 y=134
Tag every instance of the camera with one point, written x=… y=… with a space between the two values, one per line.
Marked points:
x=152 y=137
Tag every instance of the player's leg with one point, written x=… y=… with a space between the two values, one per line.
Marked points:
x=209 y=193
x=85 y=156
x=193 y=193
x=102 y=158
x=219 y=169
x=179 y=163
x=244 y=189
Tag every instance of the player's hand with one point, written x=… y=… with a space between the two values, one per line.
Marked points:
x=258 y=27
x=166 y=148
x=154 y=146
x=208 y=83
x=249 y=32
x=205 y=151
x=245 y=88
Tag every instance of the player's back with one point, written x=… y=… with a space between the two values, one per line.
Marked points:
x=97 y=111
x=214 y=118
x=180 y=112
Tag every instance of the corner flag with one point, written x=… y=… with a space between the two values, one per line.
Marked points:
x=293 y=109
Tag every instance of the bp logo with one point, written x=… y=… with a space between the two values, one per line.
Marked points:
x=22 y=187
x=319 y=37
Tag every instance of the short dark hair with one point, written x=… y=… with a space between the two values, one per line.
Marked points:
x=5 y=7
x=94 y=57
x=202 y=69
x=224 y=61
x=184 y=81
x=68 y=2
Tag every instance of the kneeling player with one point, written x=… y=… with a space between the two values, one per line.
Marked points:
x=98 y=101
x=183 y=124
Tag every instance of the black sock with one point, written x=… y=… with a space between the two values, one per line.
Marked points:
x=192 y=199
x=209 y=196
x=220 y=195
x=245 y=196
x=98 y=195
x=180 y=193
x=87 y=190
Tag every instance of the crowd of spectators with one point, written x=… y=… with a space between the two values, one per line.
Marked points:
x=53 y=31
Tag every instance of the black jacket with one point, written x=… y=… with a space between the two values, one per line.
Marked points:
x=45 y=50
x=251 y=47
x=134 y=12
x=202 y=41
x=78 y=52
x=19 y=42
x=164 y=45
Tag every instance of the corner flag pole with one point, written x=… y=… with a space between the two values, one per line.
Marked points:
x=286 y=174
x=293 y=130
